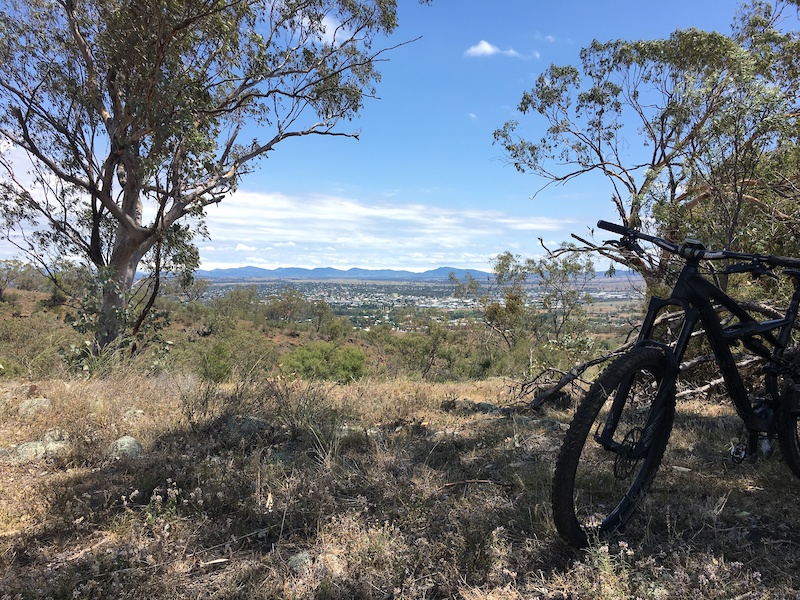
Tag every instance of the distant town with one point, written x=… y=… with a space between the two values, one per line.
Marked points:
x=364 y=299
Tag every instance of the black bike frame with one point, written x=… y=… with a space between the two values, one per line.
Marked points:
x=698 y=297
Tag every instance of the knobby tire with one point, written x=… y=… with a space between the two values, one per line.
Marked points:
x=595 y=490
x=789 y=425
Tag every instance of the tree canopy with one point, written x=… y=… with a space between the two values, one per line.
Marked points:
x=135 y=116
x=696 y=134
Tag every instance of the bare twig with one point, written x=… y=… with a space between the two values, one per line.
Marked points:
x=467 y=482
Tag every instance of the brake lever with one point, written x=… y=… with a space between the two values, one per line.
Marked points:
x=756 y=269
x=628 y=243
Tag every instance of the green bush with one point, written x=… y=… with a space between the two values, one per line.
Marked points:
x=324 y=360
x=216 y=364
x=11 y=368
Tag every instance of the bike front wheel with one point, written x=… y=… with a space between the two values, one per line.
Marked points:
x=614 y=446
x=789 y=425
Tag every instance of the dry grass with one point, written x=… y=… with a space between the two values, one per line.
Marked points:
x=373 y=490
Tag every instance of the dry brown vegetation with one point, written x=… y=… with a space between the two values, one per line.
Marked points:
x=376 y=489
x=373 y=490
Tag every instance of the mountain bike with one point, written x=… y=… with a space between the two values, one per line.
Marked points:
x=618 y=435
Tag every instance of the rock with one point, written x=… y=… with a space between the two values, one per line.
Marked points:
x=300 y=563
x=126 y=447
x=242 y=431
x=281 y=457
x=447 y=434
x=53 y=444
x=467 y=406
x=30 y=451
x=486 y=407
x=245 y=427
x=29 y=407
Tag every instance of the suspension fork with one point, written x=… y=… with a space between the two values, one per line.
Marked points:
x=663 y=401
x=665 y=396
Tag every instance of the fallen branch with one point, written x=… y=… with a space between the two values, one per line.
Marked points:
x=715 y=382
x=570 y=376
x=467 y=482
x=744 y=360
x=530 y=385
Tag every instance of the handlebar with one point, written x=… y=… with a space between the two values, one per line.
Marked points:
x=613 y=227
x=694 y=251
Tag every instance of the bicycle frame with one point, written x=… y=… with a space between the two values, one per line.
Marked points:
x=698 y=298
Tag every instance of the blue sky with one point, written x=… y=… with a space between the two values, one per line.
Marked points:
x=424 y=187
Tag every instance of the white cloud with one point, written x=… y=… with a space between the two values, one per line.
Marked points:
x=484 y=48
x=330 y=27
x=256 y=260
x=534 y=224
x=343 y=232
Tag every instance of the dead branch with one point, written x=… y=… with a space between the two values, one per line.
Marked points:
x=570 y=376
x=542 y=395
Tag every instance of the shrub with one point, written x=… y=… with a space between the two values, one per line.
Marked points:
x=34 y=342
x=11 y=368
x=216 y=364
x=324 y=360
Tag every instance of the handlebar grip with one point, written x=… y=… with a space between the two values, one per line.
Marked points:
x=613 y=227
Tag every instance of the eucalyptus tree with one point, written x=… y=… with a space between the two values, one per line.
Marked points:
x=682 y=129
x=533 y=309
x=135 y=116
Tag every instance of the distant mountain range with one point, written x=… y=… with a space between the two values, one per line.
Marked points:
x=442 y=273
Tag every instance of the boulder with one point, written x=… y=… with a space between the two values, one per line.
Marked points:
x=52 y=445
x=31 y=406
x=126 y=447
x=300 y=563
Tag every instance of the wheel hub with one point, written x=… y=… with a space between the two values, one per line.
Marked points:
x=625 y=462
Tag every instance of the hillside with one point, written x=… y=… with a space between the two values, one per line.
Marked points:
x=442 y=273
x=261 y=485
